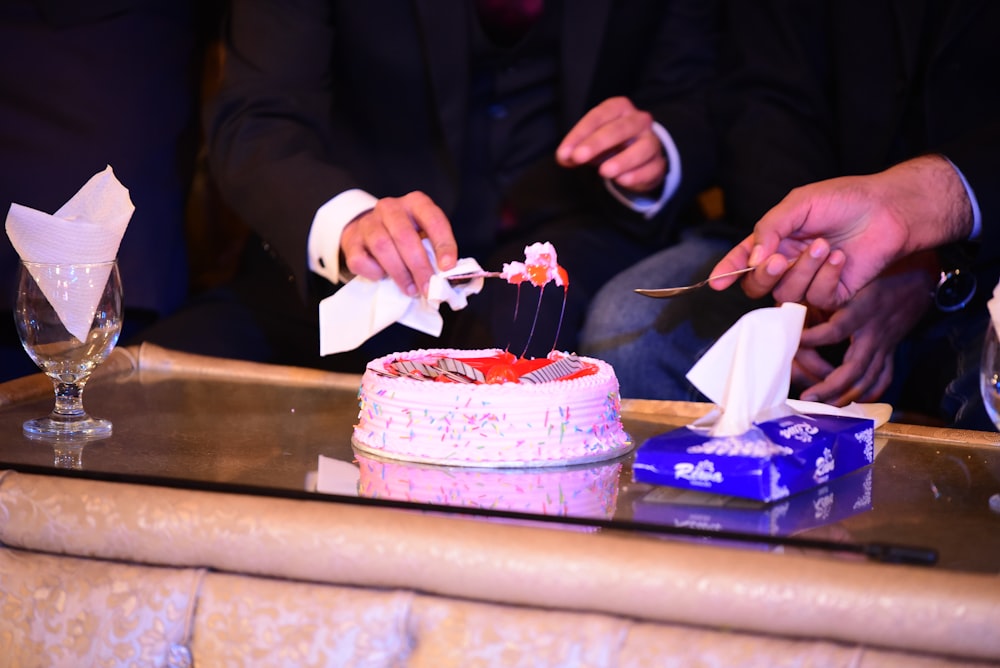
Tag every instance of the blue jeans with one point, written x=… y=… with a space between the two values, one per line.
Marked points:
x=653 y=343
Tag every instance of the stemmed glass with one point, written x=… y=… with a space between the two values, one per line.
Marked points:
x=989 y=374
x=66 y=339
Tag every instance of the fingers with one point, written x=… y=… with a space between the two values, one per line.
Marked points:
x=828 y=333
x=766 y=276
x=640 y=166
x=356 y=257
x=578 y=147
x=812 y=276
x=771 y=269
x=809 y=368
x=387 y=241
x=618 y=138
x=774 y=236
x=396 y=246
x=794 y=283
x=434 y=225
x=852 y=382
x=826 y=290
x=778 y=225
x=737 y=258
x=864 y=375
x=881 y=384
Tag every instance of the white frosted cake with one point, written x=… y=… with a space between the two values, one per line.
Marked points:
x=485 y=408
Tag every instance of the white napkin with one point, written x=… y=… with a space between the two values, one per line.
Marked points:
x=88 y=228
x=362 y=307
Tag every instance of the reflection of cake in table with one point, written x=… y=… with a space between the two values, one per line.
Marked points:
x=485 y=408
x=588 y=491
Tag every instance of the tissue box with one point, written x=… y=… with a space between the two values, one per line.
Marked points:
x=825 y=504
x=773 y=460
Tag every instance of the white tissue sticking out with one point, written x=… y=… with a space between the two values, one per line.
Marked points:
x=86 y=229
x=362 y=308
x=747 y=373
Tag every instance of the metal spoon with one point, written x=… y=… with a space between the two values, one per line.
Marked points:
x=663 y=293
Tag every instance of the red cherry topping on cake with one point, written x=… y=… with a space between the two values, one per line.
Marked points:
x=501 y=373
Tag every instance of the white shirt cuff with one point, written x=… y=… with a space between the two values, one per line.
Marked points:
x=648 y=206
x=327 y=226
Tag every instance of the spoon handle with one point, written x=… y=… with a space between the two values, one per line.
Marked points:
x=664 y=293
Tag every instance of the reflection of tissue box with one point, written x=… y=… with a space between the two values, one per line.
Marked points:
x=825 y=504
x=774 y=459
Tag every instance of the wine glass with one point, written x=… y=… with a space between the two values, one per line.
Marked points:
x=989 y=374
x=68 y=317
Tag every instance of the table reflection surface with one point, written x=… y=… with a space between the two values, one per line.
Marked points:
x=933 y=489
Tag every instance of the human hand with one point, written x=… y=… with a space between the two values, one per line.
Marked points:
x=619 y=140
x=845 y=231
x=387 y=241
x=874 y=322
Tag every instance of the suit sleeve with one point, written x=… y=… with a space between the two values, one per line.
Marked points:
x=267 y=126
x=678 y=77
x=773 y=106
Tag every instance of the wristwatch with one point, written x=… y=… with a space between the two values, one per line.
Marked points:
x=955 y=288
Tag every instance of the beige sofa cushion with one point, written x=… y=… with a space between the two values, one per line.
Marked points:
x=69 y=612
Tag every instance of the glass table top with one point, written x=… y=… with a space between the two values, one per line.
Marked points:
x=935 y=500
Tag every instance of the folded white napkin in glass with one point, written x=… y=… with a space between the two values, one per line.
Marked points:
x=362 y=308
x=86 y=229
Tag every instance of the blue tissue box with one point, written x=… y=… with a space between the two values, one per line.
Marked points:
x=773 y=460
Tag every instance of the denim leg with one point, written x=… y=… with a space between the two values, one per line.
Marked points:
x=653 y=343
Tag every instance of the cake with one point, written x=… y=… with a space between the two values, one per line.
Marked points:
x=491 y=408
x=487 y=408
x=589 y=491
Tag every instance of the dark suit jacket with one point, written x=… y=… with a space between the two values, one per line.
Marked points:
x=325 y=95
x=826 y=88
x=96 y=83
